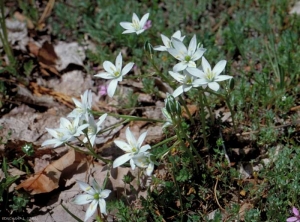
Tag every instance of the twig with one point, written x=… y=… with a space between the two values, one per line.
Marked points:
x=215 y=194
x=275 y=127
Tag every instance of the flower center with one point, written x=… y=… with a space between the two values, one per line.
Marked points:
x=97 y=196
x=60 y=135
x=136 y=25
x=187 y=58
x=134 y=149
x=210 y=76
x=117 y=73
x=91 y=130
x=188 y=80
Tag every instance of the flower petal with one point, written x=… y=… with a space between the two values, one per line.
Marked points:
x=145 y=148
x=86 y=187
x=122 y=159
x=179 y=77
x=205 y=65
x=91 y=210
x=132 y=164
x=166 y=41
x=127 y=68
x=192 y=46
x=197 y=55
x=130 y=138
x=112 y=86
x=179 y=46
x=96 y=186
x=177 y=35
x=82 y=199
x=109 y=67
x=104 y=75
x=127 y=25
x=178 y=91
x=135 y=18
x=119 y=62
x=101 y=119
x=292 y=219
x=295 y=211
x=222 y=78
x=141 y=139
x=160 y=48
x=144 y=20
x=129 y=31
x=140 y=31
x=150 y=169
x=105 y=193
x=102 y=205
x=219 y=67
x=122 y=145
x=200 y=82
x=180 y=66
x=187 y=88
x=176 y=54
x=214 y=86
x=195 y=72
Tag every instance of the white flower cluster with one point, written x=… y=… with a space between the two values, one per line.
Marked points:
x=81 y=119
x=191 y=76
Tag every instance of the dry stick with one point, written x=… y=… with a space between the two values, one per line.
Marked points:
x=215 y=194
x=275 y=127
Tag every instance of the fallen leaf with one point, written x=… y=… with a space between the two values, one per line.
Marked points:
x=244 y=208
x=46 y=13
x=22 y=18
x=69 y=53
x=47 y=180
x=243 y=193
x=192 y=109
x=47 y=55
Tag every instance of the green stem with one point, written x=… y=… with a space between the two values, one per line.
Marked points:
x=164 y=141
x=180 y=135
x=202 y=116
x=3 y=35
x=226 y=98
x=186 y=109
x=130 y=118
x=178 y=190
x=212 y=117
x=232 y=113
x=92 y=152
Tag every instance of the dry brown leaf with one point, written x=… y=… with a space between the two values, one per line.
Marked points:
x=22 y=18
x=33 y=48
x=47 y=180
x=47 y=55
x=192 y=109
x=244 y=208
x=46 y=13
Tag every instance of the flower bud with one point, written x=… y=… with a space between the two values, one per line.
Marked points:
x=172 y=105
x=231 y=84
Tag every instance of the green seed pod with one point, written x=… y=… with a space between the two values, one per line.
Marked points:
x=231 y=84
x=172 y=105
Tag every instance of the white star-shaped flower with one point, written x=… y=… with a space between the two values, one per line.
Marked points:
x=94 y=195
x=188 y=81
x=83 y=107
x=131 y=148
x=115 y=73
x=94 y=128
x=186 y=56
x=211 y=77
x=137 y=25
x=167 y=42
